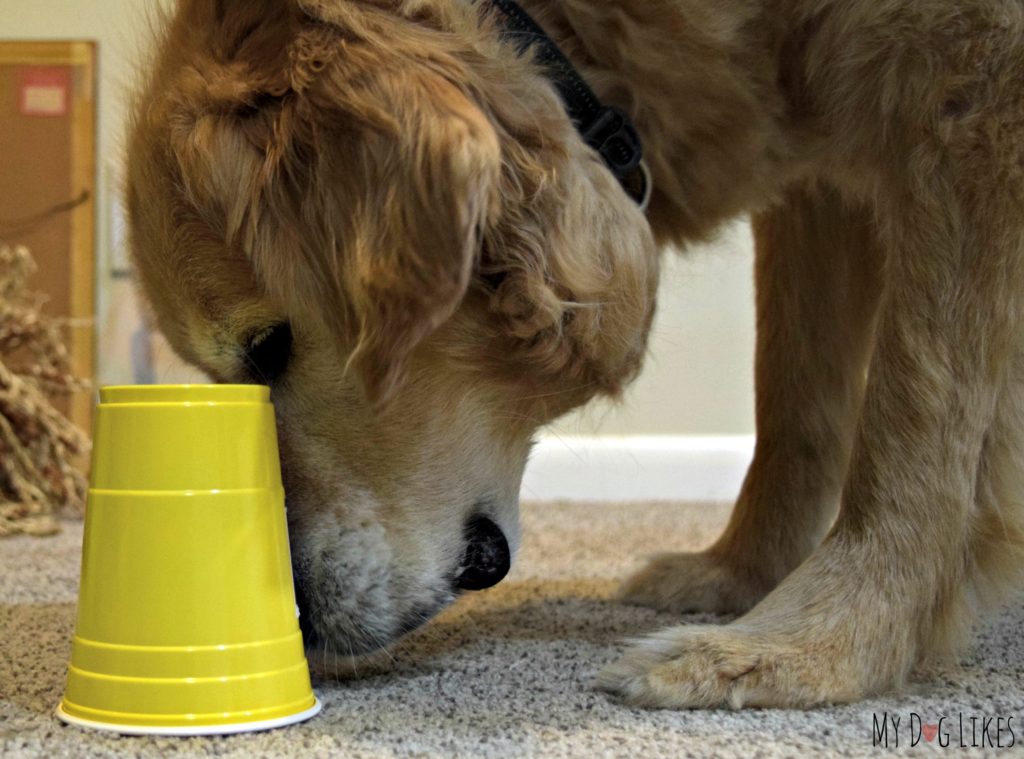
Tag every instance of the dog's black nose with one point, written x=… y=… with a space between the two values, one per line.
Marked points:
x=486 y=559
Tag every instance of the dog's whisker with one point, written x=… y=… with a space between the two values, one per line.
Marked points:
x=517 y=418
x=554 y=393
x=565 y=444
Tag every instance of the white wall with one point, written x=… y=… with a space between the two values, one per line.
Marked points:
x=698 y=378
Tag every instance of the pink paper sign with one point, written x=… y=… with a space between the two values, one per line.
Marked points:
x=43 y=90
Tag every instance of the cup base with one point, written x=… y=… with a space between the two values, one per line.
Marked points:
x=190 y=730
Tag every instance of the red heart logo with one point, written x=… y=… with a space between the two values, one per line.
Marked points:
x=929 y=732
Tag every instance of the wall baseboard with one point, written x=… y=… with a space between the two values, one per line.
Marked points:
x=634 y=468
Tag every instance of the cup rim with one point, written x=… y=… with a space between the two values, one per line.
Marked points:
x=188 y=393
x=222 y=728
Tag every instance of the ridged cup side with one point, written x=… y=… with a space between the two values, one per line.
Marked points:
x=213 y=437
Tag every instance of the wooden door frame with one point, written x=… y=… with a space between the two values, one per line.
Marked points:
x=82 y=55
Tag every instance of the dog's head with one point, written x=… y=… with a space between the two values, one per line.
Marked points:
x=380 y=211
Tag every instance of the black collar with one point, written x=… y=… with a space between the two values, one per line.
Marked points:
x=606 y=129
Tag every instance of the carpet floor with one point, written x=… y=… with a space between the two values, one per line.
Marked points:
x=507 y=672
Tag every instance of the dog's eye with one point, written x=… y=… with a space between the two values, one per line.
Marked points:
x=267 y=354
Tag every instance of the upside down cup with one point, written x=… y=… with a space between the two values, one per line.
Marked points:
x=187 y=623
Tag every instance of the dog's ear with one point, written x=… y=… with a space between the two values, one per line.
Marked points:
x=358 y=184
x=405 y=198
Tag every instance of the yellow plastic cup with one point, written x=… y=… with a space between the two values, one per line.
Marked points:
x=187 y=623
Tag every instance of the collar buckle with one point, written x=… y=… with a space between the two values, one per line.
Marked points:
x=605 y=129
x=614 y=137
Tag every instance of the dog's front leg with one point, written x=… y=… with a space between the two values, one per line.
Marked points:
x=892 y=575
x=818 y=270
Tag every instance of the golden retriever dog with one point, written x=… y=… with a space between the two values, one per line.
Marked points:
x=382 y=209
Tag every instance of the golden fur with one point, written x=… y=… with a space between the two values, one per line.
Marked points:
x=458 y=269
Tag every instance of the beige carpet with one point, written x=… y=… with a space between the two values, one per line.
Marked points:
x=506 y=672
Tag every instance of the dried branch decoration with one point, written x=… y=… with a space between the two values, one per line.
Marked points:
x=39 y=447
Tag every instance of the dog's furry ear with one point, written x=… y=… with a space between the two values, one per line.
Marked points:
x=358 y=185
x=407 y=205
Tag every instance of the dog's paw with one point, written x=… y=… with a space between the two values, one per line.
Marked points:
x=694 y=582
x=707 y=667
